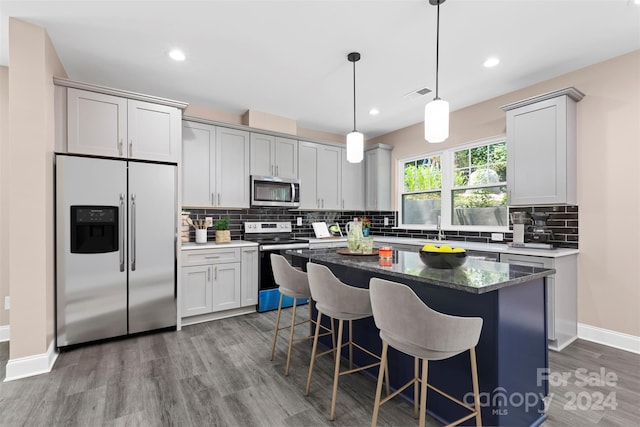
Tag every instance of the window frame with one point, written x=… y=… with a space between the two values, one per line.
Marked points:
x=447 y=159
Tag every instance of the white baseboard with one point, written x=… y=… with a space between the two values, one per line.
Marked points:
x=610 y=338
x=31 y=365
x=5 y=333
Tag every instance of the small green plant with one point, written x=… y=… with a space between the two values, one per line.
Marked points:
x=222 y=224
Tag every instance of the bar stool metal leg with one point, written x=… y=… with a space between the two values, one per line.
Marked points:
x=376 y=404
x=313 y=352
x=275 y=335
x=423 y=393
x=336 y=372
x=476 y=392
x=416 y=377
x=291 y=330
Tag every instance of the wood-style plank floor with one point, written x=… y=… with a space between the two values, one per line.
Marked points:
x=219 y=374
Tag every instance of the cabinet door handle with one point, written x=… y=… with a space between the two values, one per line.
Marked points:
x=277 y=171
x=215 y=274
x=318 y=203
x=131 y=148
x=249 y=251
x=212 y=257
x=133 y=232
x=120 y=147
x=123 y=242
x=218 y=200
x=208 y=274
x=213 y=199
x=342 y=204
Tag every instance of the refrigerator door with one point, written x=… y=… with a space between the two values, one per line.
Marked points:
x=91 y=286
x=152 y=253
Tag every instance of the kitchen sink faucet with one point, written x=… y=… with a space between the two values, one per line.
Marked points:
x=440 y=232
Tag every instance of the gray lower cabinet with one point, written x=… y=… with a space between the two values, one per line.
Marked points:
x=215 y=166
x=541 y=149
x=249 y=277
x=215 y=280
x=377 y=163
x=562 y=296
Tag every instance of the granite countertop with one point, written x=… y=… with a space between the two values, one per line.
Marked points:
x=187 y=246
x=489 y=247
x=475 y=276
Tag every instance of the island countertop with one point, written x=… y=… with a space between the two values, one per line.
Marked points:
x=475 y=276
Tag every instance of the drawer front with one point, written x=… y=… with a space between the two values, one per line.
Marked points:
x=213 y=256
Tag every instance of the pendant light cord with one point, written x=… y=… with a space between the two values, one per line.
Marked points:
x=437 y=48
x=354 y=96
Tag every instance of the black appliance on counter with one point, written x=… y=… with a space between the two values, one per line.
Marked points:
x=272 y=238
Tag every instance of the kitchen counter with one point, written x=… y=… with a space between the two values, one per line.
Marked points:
x=213 y=245
x=487 y=247
x=475 y=276
x=512 y=346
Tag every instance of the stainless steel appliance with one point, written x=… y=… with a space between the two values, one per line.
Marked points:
x=272 y=237
x=273 y=191
x=539 y=232
x=115 y=248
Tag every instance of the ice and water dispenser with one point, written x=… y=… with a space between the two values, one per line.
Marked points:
x=94 y=229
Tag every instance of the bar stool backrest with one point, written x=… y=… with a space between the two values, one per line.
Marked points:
x=401 y=315
x=292 y=281
x=334 y=298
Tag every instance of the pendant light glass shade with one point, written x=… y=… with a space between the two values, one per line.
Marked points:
x=436 y=121
x=355 y=147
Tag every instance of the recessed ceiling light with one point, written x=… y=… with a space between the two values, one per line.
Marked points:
x=491 y=62
x=177 y=55
x=374 y=111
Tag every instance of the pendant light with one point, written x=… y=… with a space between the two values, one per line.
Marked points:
x=436 y=113
x=355 y=140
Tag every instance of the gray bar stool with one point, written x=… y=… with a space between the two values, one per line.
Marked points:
x=410 y=326
x=293 y=283
x=341 y=302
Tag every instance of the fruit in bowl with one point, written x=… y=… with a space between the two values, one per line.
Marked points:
x=442 y=256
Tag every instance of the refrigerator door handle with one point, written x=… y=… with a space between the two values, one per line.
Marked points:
x=122 y=234
x=133 y=232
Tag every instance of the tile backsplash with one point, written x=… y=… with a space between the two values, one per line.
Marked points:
x=563 y=221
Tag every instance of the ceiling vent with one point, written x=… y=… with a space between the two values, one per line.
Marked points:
x=417 y=93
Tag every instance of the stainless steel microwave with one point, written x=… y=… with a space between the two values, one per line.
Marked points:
x=274 y=191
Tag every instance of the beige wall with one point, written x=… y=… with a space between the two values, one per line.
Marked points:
x=33 y=63
x=4 y=195
x=608 y=181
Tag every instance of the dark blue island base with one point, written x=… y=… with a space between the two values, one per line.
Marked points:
x=512 y=352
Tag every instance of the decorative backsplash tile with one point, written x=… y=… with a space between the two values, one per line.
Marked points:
x=563 y=221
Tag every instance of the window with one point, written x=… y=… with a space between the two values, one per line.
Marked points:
x=462 y=188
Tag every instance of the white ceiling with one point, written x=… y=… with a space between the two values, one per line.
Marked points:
x=289 y=58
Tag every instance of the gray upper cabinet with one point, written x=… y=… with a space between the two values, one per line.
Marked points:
x=274 y=156
x=215 y=166
x=541 y=149
x=320 y=170
x=107 y=125
x=378 y=177
x=352 y=184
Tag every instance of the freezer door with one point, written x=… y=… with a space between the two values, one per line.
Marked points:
x=91 y=288
x=152 y=253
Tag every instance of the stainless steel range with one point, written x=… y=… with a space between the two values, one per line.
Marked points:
x=272 y=237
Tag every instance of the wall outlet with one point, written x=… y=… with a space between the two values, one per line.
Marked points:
x=497 y=237
x=386 y=221
x=299 y=220
x=7 y=303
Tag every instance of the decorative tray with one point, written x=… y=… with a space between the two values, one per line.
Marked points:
x=347 y=252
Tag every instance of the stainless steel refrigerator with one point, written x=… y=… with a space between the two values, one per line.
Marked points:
x=115 y=248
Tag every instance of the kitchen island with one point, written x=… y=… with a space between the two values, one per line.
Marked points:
x=512 y=351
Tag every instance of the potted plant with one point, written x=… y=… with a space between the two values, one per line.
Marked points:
x=223 y=235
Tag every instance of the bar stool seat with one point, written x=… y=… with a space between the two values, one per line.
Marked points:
x=410 y=326
x=340 y=302
x=292 y=282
